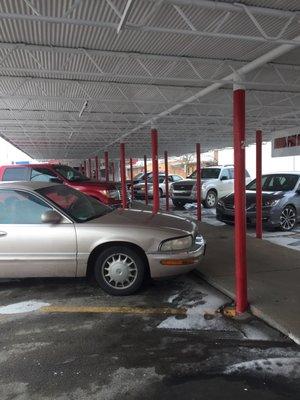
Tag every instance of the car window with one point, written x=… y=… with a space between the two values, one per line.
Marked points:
x=18 y=207
x=70 y=173
x=177 y=178
x=16 y=174
x=231 y=173
x=74 y=203
x=225 y=173
x=42 y=175
x=161 y=179
x=276 y=183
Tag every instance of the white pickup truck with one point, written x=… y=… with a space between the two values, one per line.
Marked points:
x=217 y=181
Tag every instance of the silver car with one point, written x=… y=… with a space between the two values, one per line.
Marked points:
x=49 y=230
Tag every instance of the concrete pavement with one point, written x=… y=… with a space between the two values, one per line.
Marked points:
x=273 y=275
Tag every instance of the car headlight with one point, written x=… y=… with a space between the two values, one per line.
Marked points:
x=270 y=203
x=182 y=243
x=220 y=203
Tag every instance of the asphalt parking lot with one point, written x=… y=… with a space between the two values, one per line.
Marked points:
x=64 y=339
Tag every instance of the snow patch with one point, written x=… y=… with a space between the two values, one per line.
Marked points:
x=201 y=311
x=286 y=367
x=23 y=307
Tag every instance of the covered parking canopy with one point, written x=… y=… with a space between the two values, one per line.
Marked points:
x=81 y=76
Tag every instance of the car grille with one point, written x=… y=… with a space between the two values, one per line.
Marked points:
x=180 y=187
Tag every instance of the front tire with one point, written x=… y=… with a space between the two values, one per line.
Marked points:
x=210 y=199
x=288 y=218
x=120 y=270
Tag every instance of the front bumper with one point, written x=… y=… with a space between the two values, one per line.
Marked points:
x=186 y=196
x=158 y=270
x=270 y=217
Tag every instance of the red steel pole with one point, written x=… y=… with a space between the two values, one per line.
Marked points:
x=106 y=162
x=167 y=181
x=258 y=184
x=146 y=181
x=97 y=167
x=240 y=199
x=198 y=181
x=90 y=168
x=113 y=171
x=154 y=145
x=84 y=167
x=131 y=179
x=123 y=175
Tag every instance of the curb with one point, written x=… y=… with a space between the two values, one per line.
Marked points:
x=254 y=310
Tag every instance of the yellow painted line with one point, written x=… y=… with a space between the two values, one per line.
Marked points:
x=114 y=310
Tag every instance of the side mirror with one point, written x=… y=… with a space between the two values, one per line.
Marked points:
x=56 y=180
x=51 y=217
x=224 y=178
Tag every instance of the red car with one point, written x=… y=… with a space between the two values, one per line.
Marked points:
x=107 y=193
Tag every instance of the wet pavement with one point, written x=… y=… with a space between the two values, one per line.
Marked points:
x=80 y=343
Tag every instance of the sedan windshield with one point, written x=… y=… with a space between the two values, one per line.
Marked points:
x=276 y=183
x=207 y=173
x=70 y=173
x=75 y=204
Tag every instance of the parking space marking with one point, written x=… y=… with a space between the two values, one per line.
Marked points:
x=114 y=310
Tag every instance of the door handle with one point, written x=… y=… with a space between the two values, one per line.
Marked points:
x=2 y=233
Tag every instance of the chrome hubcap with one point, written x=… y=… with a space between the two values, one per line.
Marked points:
x=288 y=218
x=119 y=271
x=211 y=199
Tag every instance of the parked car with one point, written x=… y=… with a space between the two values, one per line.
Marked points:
x=280 y=198
x=139 y=189
x=50 y=230
x=105 y=192
x=216 y=182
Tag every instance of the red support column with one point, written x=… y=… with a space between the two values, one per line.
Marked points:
x=240 y=199
x=154 y=145
x=90 y=168
x=258 y=184
x=167 y=181
x=146 y=181
x=113 y=171
x=123 y=175
x=131 y=179
x=97 y=167
x=84 y=167
x=106 y=163
x=198 y=180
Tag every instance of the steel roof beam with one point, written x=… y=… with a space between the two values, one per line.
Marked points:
x=139 y=28
x=258 y=62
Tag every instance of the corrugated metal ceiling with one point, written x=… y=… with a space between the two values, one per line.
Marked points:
x=55 y=55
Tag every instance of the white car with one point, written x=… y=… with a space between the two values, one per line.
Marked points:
x=217 y=181
x=139 y=189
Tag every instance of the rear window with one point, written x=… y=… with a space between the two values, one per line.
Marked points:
x=15 y=174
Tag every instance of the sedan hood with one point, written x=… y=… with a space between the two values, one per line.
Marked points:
x=251 y=197
x=145 y=219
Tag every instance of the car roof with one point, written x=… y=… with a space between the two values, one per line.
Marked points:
x=283 y=172
x=25 y=185
x=29 y=165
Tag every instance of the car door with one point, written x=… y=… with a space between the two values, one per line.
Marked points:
x=226 y=183
x=28 y=247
